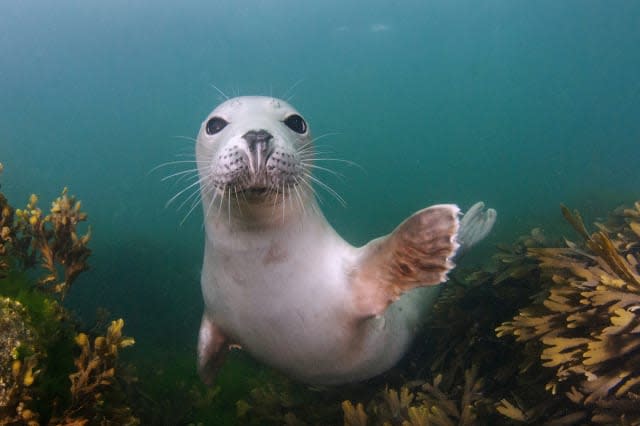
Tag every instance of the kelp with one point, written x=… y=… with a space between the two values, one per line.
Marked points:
x=511 y=262
x=421 y=403
x=547 y=334
x=49 y=241
x=94 y=386
x=277 y=400
x=458 y=369
x=587 y=327
x=38 y=384
x=20 y=353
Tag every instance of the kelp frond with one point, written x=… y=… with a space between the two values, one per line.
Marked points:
x=589 y=322
x=421 y=403
x=50 y=241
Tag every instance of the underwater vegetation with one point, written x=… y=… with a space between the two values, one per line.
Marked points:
x=51 y=242
x=585 y=326
x=547 y=334
x=50 y=371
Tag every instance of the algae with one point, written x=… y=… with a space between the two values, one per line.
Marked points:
x=44 y=378
x=548 y=333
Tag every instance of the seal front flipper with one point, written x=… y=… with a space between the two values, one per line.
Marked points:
x=417 y=253
x=212 y=349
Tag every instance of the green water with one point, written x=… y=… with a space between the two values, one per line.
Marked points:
x=521 y=104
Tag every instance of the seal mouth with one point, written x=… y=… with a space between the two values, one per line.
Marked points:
x=255 y=191
x=255 y=178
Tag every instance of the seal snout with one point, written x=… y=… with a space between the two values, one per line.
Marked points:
x=259 y=146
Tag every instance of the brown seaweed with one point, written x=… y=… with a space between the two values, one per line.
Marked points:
x=50 y=241
x=588 y=323
x=36 y=332
x=421 y=403
x=19 y=356
x=94 y=381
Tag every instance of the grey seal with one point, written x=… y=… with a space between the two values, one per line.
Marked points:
x=277 y=279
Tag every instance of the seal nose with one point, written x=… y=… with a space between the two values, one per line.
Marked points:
x=258 y=140
x=259 y=145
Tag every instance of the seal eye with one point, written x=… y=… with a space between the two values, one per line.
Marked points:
x=215 y=125
x=296 y=123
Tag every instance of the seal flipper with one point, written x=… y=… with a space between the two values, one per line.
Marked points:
x=475 y=224
x=417 y=253
x=212 y=350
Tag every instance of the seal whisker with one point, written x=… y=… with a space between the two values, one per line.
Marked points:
x=238 y=200
x=244 y=196
x=284 y=202
x=194 y=195
x=229 y=207
x=314 y=159
x=327 y=188
x=289 y=91
x=216 y=195
x=172 y=199
x=177 y=195
x=221 y=196
x=191 y=209
x=311 y=188
x=182 y=173
x=314 y=141
x=220 y=92
x=324 y=169
x=173 y=163
x=295 y=187
x=275 y=202
x=187 y=138
x=186 y=155
x=324 y=135
x=337 y=160
x=196 y=201
x=187 y=178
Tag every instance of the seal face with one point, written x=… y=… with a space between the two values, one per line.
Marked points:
x=255 y=159
x=277 y=279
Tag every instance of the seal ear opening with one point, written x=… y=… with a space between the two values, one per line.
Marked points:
x=417 y=253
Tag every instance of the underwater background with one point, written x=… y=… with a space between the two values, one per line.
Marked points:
x=524 y=105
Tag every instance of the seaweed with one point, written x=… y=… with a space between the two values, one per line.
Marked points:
x=38 y=335
x=421 y=403
x=19 y=358
x=96 y=394
x=548 y=333
x=274 y=399
x=545 y=334
x=586 y=328
x=50 y=241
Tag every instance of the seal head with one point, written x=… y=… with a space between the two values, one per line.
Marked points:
x=254 y=149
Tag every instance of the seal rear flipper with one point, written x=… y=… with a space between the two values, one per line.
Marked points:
x=212 y=350
x=417 y=253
